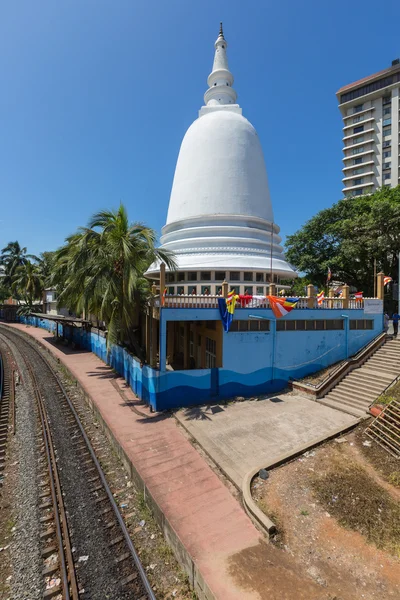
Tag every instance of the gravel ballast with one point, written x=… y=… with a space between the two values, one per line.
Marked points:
x=26 y=581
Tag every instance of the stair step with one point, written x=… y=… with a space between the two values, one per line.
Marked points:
x=383 y=367
x=363 y=376
x=350 y=393
x=362 y=386
x=371 y=373
x=351 y=401
x=386 y=359
x=368 y=384
x=349 y=406
x=342 y=407
x=390 y=353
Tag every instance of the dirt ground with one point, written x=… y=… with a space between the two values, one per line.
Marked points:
x=333 y=509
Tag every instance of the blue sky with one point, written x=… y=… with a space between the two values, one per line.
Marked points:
x=97 y=95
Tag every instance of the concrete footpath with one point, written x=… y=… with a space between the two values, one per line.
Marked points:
x=215 y=540
x=239 y=436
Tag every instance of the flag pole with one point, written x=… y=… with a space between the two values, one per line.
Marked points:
x=272 y=238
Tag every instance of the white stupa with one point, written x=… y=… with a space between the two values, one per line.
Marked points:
x=220 y=218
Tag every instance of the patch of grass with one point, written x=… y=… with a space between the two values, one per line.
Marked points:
x=393 y=393
x=164 y=551
x=304 y=512
x=358 y=503
x=394 y=478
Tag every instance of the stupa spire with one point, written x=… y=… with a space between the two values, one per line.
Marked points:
x=220 y=79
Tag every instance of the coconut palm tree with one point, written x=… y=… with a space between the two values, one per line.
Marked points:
x=12 y=257
x=28 y=283
x=100 y=270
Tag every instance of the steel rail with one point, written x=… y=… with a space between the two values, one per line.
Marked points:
x=68 y=576
x=63 y=538
x=103 y=479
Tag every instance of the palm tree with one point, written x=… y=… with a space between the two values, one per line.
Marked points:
x=100 y=270
x=28 y=283
x=12 y=257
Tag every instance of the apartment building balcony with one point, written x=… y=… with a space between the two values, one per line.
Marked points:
x=360 y=133
x=352 y=156
x=361 y=112
x=358 y=123
x=363 y=164
x=357 y=187
x=358 y=145
x=368 y=173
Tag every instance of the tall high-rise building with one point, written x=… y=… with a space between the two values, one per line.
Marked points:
x=370 y=111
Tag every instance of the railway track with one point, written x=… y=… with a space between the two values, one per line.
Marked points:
x=87 y=550
x=7 y=405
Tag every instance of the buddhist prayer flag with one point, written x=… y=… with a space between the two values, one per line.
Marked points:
x=320 y=298
x=227 y=309
x=329 y=276
x=282 y=306
x=247 y=301
x=387 y=280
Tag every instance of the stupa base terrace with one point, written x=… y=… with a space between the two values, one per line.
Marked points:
x=192 y=360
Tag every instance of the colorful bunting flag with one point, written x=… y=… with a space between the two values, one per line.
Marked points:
x=320 y=298
x=227 y=308
x=329 y=276
x=247 y=301
x=387 y=280
x=281 y=306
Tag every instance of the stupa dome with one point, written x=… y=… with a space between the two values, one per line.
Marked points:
x=220 y=216
x=220 y=170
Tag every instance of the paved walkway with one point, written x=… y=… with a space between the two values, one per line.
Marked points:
x=224 y=544
x=240 y=436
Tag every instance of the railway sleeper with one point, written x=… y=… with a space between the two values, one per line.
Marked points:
x=97 y=488
x=48 y=533
x=129 y=579
x=48 y=550
x=50 y=592
x=50 y=569
x=117 y=540
x=47 y=518
x=123 y=557
x=101 y=499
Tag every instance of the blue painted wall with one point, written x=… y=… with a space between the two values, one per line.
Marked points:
x=253 y=362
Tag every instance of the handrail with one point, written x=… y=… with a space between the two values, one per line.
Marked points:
x=343 y=365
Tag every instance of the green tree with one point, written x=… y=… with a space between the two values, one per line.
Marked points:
x=347 y=238
x=28 y=283
x=12 y=257
x=297 y=286
x=45 y=263
x=100 y=271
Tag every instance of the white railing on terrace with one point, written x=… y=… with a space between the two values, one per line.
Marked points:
x=211 y=301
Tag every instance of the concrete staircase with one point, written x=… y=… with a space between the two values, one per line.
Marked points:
x=355 y=393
